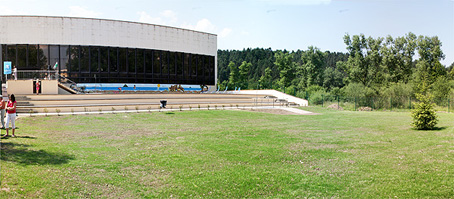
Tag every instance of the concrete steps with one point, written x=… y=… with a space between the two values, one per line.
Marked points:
x=106 y=103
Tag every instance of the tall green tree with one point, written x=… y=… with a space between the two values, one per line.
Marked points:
x=311 y=70
x=234 y=75
x=284 y=61
x=244 y=74
x=430 y=53
x=265 y=79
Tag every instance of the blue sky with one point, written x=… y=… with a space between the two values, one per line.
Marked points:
x=276 y=24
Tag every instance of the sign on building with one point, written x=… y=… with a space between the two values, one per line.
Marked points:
x=7 y=67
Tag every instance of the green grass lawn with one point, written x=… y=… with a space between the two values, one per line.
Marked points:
x=229 y=154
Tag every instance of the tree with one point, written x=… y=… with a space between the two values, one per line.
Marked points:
x=424 y=117
x=286 y=67
x=429 y=66
x=234 y=74
x=311 y=70
x=265 y=80
x=244 y=74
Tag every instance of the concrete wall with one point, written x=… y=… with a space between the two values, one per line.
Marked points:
x=19 y=87
x=25 y=87
x=49 y=87
x=277 y=94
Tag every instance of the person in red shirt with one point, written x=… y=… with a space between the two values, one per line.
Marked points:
x=2 y=111
x=11 y=116
x=37 y=87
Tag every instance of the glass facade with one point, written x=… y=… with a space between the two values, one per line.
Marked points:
x=101 y=64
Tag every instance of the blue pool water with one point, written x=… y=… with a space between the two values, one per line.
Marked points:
x=139 y=87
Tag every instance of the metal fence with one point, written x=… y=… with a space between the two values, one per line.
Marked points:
x=378 y=103
x=34 y=74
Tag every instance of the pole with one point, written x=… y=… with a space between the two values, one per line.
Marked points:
x=391 y=103
x=323 y=100
x=409 y=99
x=338 y=102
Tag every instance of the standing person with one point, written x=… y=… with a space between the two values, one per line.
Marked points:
x=37 y=87
x=11 y=116
x=2 y=111
x=15 y=73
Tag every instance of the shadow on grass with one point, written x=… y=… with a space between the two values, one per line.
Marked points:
x=170 y=113
x=19 y=153
x=434 y=129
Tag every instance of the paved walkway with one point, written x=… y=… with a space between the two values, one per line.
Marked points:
x=298 y=111
x=290 y=109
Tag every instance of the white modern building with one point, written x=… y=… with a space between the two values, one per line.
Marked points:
x=109 y=51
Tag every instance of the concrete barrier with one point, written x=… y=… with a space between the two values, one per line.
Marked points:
x=277 y=94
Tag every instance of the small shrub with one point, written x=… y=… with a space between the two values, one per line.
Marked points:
x=216 y=106
x=113 y=110
x=137 y=108
x=190 y=107
x=181 y=107
x=424 y=117
x=58 y=111
x=149 y=109
x=223 y=107
x=46 y=111
x=100 y=110
x=199 y=107
x=72 y=111
x=126 y=109
x=237 y=106
x=31 y=111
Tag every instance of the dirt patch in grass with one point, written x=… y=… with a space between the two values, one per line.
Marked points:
x=276 y=111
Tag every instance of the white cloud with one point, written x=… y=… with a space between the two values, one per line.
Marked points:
x=77 y=11
x=225 y=32
x=4 y=10
x=145 y=18
x=204 y=25
x=166 y=17
x=170 y=15
x=296 y=2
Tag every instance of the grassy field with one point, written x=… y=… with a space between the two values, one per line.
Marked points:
x=229 y=154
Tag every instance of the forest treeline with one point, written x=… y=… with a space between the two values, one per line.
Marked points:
x=371 y=67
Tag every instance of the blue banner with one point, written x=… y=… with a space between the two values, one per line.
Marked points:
x=7 y=67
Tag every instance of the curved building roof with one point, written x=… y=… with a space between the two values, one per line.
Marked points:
x=103 y=32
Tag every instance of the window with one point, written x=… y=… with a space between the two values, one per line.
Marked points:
x=187 y=65
x=21 y=56
x=179 y=63
x=165 y=63
x=94 y=58
x=140 y=61
x=122 y=59
x=113 y=53
x=104 y=59
x=11 y=54
x=131 y=60
x=74 y=59
x=54 y=56
x=172 y=63
x=64 y=59
x=193 y=64
x=156 y=62
x=149 y=61
x=84 y=59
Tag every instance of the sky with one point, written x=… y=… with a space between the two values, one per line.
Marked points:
x=275 y=24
